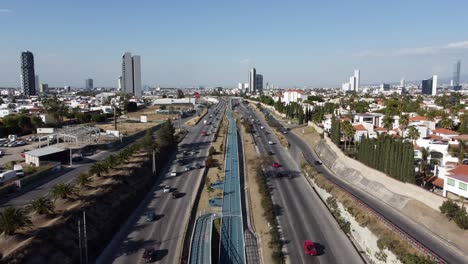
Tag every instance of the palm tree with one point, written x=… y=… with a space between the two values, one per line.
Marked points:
x=404 y=120
x=424 y=161
x=98 y=168
x=413 y=134
x=83 y=180
x=388 y=122
x=13 y=219
x=63 y=191
x=41 y=205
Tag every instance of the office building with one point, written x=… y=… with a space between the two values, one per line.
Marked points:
x=131 y=74
x=402 y=83
x=354 y=82
x=252 y=74
x=429 y=86
x=37 y=84
x=456 y=76
x=89 y=84
x=44 y=87
x=28 y=78
x=357 y=80
x=384 y=87
x=119 y=83
x=259 y=83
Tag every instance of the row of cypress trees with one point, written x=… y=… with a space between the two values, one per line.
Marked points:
x=335 y=131
x=393 y=157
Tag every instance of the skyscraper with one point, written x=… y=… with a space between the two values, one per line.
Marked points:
x=456 y=76
x=89 y=84
x=252 y=75
x=119 y=83
x=429 y=86
x=357 y=76
x=259 y=83
x=37 y=83
x=28 y=78
x=131 y=74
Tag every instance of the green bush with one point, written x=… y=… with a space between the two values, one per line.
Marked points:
x=212 y=151
x=461 y=218
x=449 y=209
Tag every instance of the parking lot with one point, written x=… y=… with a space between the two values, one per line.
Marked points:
x=14 y=153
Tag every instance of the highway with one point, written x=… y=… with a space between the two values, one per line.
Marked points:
x=301 y=213
x=165 y=234
x=413 y=229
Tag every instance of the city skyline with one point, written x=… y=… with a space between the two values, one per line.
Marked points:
x=298 y=44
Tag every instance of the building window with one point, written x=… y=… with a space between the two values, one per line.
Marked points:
x=451 y=182
x=462 y=186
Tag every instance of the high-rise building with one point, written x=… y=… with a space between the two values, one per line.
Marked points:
x=37 y=84
x=429 y=86
x=28 y=78
x=119 y=83
x=252 y=75
x=402 y=83
x=44 y=88
x=357 y=83
x=384 y=87
x=352 y=83
x=136 y=65
x=89 y=84
x=456 y=76
x=259 y=83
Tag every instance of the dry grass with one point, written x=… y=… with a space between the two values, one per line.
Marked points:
x=150 y=112
x=127 y=128
x=215 y=174
x=193 y=121
x=260 y=223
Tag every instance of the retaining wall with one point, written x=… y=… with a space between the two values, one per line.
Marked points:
x=391 y=191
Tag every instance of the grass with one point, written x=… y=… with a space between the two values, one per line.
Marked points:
x=402 y=248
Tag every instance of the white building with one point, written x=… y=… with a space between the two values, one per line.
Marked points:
x=434 y=85
x=293 y=95
x=456 y=181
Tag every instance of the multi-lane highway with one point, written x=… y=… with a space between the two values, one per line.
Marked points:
x=165 y=234
x=416 y=231
x=301 y=213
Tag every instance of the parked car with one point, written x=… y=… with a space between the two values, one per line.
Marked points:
x=309 y=248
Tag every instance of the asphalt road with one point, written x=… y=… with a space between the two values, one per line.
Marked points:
x=301 y=213
x=413 y=229
x=165 y=234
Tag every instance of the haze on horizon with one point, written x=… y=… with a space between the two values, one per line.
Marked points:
x=214 y=43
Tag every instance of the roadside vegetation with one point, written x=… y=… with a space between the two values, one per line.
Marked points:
x=46 y=229
x=405 y=251
x=456 y=213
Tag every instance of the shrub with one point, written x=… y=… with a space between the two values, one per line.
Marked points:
x=212 y=151
x=210 y=162
x=461 y=218
x=449 y=209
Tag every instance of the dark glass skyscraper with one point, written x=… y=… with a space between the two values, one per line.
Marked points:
x=28 y=79
x=426 y=86
x=456 y=76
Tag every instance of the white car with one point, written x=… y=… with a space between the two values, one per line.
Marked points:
x=270 y=142
x=187 y=168
x=261 y=127
x=166 y=189
x=173 y=173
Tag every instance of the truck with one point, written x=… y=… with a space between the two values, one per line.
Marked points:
x=7 y=175
x=19 y=170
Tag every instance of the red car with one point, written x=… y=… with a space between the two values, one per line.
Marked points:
x=276 y=165
x=309 y=248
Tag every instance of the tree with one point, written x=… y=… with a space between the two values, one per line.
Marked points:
x=463 y=127
x=212 y=151
x=449 y=209
x=13 y=219
x=424 y=161
x=348 y=131
x=404 y=120
x=446 y=122
x=162 y=107
x=413 y=134
x=83 y=180
x=461 y=150
x=98 y=169
x=63 y=191
x=58 y=109
x=41 y=206
x=388 y=122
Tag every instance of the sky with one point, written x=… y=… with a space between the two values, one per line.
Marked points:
x=215 y=42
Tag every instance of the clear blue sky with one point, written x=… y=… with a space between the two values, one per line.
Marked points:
x=292 y=43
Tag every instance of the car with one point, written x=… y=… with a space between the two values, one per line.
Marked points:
x=187 y=168
x=270 y=142
x=150 y=216
x=317 y=162
x=175 y=194
x=77 y=157
x=148 y=255
x=285 y=132
x=173 y=173
x=181 y=162
x=276 y=165
x=166 y=189
x=309 y=248
x=185 y=152
x=261 y=127
x=198 y=166
x=270 y=153
x=278 y=175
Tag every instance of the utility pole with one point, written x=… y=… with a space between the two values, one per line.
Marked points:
x=80 y=242
x=85 y=239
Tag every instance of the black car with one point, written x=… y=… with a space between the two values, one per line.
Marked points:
x=148 y=255
x=175 y=194
x=318 y=162
x=270 y=153
x=151 y=216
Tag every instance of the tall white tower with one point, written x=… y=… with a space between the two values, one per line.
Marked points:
x=434 y=84
x=357 y=76
x=127 y=73
x=252 y=75
x=119 y=83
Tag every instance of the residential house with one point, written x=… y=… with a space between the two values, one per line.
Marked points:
x=457 y=181
x=293 y=95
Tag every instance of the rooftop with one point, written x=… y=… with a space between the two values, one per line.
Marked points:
x=445 y=131
x=418 y=118
x=359 y=127
x=44 y=151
